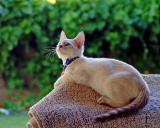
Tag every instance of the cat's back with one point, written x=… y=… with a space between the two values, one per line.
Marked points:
x=109 y=64
x=103 y=62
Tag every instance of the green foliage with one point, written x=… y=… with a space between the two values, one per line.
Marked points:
x=124 y=29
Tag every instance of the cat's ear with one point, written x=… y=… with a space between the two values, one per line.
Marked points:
x=62 y=36
x=79 y=39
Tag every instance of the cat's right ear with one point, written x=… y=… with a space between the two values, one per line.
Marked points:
x=79 y=39
x=62 y=36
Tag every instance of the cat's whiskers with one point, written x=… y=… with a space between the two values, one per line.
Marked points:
x=50 y=51
x=49 y=48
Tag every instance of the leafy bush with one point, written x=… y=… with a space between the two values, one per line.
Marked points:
x=124 y=29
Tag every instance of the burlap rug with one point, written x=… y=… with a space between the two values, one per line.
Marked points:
x=74 y=106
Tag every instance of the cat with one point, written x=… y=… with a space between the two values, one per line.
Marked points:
x=120 y=85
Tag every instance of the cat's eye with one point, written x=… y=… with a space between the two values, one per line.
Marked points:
x=66 y=44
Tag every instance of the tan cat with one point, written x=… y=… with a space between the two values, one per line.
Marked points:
x=120 y=85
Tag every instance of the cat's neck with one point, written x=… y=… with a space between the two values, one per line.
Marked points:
x=65 y=59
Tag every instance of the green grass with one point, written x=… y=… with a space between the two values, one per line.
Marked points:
x=14 y=120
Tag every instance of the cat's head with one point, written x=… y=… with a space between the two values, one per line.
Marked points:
x=70 y=48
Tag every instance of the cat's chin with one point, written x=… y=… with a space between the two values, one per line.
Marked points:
x=61 y=56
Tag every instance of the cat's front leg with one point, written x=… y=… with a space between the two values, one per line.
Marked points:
x=59 y=81
x=62 y=80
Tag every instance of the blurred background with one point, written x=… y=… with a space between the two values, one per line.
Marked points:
x=122 y=29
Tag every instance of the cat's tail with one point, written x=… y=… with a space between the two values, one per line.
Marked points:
x=139 y=102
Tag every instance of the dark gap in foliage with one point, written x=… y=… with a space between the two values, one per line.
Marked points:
x=135 y=46
x=106 y=48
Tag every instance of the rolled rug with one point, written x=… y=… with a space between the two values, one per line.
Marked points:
x=75 y=106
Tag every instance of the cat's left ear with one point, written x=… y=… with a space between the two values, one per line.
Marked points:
x=62 y=36
x=79 y=39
